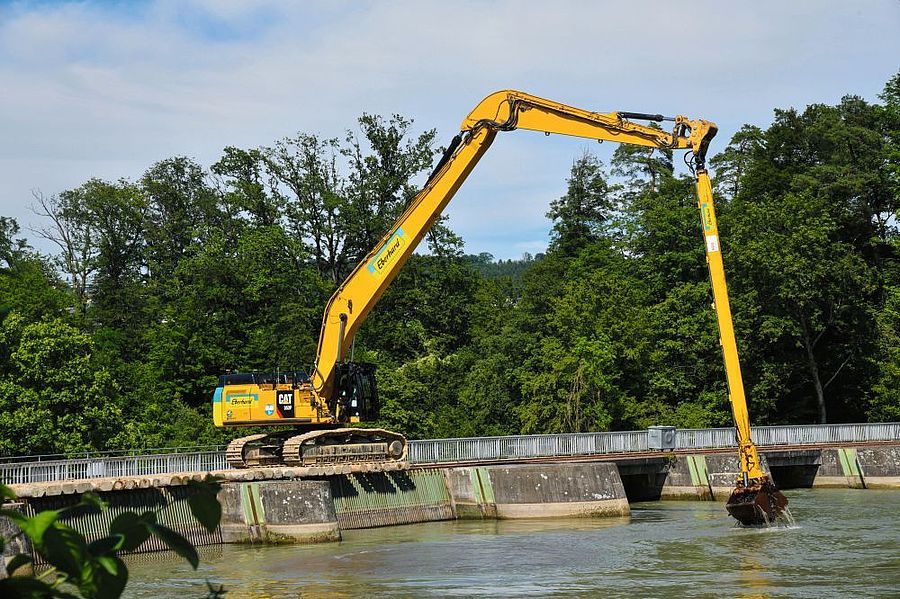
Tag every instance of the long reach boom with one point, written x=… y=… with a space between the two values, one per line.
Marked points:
x=335 y=389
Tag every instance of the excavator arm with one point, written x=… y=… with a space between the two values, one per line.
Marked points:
x=506 y=111
x=501 y=111
x=755 y=497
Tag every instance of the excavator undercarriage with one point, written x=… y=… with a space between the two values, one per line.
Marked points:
x=317 y=448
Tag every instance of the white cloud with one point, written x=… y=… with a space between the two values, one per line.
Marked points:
x=91 y=89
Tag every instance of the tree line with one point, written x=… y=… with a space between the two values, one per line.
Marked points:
x=160 y=284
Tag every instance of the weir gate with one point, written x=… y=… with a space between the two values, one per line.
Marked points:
x=577 y=474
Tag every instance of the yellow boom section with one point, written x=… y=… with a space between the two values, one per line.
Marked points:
x=501 y=111
x=506 y=111
x=749 y=457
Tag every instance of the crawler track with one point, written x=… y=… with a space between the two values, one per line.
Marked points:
x=317 y=448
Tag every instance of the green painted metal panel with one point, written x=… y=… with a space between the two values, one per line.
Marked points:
x=699 y=473
x=849 y=465
x=485 y=487
x=475 y=479
x=849 y=461
x=385 y=498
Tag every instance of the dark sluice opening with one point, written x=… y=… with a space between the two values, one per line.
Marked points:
x=643 y=486
x=794 y=477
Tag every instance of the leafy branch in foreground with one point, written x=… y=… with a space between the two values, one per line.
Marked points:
x=92 y=570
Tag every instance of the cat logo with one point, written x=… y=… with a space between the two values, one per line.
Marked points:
x=285 y=402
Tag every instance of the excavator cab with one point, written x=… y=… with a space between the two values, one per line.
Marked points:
x=356 y=397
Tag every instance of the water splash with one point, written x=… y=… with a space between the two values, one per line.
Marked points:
x=784 y=520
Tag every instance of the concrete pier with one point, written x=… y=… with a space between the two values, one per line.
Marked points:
x=539 y=491
x=278 y=512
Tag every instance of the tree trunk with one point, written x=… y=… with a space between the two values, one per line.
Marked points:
x=814 y=372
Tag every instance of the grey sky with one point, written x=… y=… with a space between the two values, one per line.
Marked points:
x=101 y=89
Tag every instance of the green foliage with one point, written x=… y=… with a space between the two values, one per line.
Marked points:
x=53 y=396
x=93 y=570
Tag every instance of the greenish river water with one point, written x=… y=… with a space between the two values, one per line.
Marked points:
x=846 y=543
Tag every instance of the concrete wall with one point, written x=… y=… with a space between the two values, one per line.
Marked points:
x=279 y=510
x=687 y=477
x=14 y=542
x=879 y=467
x=538 y=491
x=276 y=512
x=710 y=476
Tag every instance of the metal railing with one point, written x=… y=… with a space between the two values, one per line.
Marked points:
x=21 y=472
x=444 y=451
x=30 y=469
x=112 y=453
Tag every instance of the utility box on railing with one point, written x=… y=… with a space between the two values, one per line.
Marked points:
x=661 y=438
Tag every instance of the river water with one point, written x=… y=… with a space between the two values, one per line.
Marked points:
x=845 y=543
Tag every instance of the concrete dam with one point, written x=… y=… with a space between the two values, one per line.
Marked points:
x=544 y=476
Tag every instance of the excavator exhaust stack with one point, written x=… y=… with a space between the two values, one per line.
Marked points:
x=757 y=503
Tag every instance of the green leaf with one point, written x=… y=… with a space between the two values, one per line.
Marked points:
x=206 y=509
x=91 y=498
x=35 y=526
x=90 y=504
x=64 y=548
x=109 y=563
x=111 y=577
x=23 y=587
x=17 y=562
x=176 y=543
x=106 y=545
x=6 y=492
x=133 y=528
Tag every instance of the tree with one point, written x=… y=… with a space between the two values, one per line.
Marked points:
x=642 y=168
x=53 y=398
x=181 y=209
x=12 y=250
x=74 y=233
x=244 y=174
x=118 y=213
x=28 y=283
x=732 y=163
x=809 y=232
x=307 y=182
x=382 y=166
x=583 y=213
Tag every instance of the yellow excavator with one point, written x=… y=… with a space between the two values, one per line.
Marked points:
x=319 y=406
